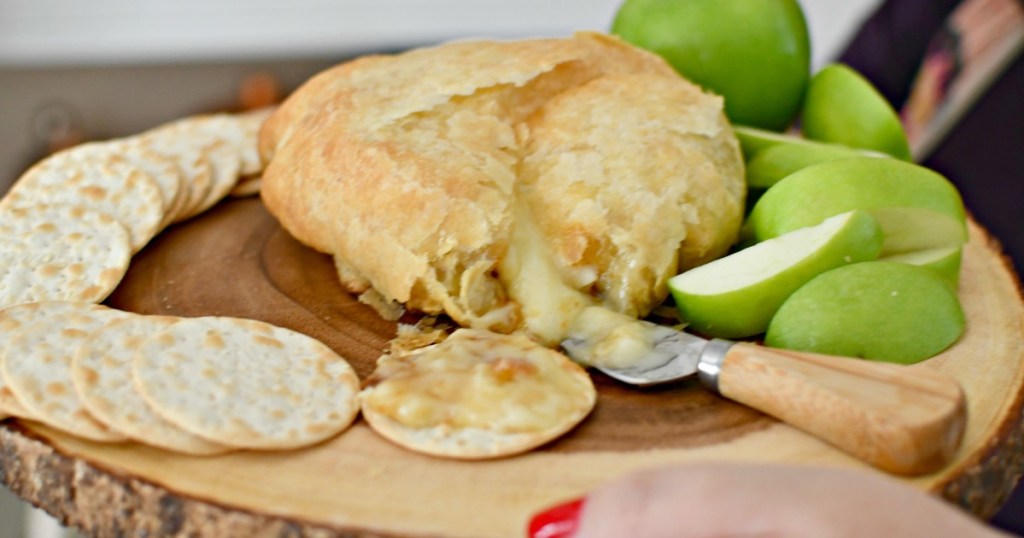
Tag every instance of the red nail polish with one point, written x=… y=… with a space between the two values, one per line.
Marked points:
x=557 y=522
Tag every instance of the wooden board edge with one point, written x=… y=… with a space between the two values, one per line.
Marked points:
x=987 y=483
x=983 y=484
x=103 y=502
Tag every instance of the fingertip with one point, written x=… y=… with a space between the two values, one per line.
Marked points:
x=559 y=521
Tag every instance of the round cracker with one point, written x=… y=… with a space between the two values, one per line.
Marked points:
x=106 y=185
x=60 y=252
x=12 y=319
x=246 y=383
x=162 y=170
x=247 y=139
x=247 y=187
x=102 y=374
x=37 y=367
x=220 y=138
x=10 y=404
x=193 y=165
x=226 y=164
x=506 y=427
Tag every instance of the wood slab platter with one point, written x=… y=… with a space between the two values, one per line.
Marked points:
x=237 y=261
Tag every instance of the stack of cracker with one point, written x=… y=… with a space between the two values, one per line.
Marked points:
x=70 y=224
x=68 y=229
x=197 y=386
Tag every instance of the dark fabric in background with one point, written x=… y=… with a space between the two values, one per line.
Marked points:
x=983 y=154
x=889 y=46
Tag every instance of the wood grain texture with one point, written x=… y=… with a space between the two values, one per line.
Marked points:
x=901 y=421
x=236 y=261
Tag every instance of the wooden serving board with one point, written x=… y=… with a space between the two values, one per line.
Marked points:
x=237 y=261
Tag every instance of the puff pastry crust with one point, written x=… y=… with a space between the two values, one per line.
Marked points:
x=413 y=171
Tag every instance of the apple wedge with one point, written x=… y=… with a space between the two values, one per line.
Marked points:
x=874 y=310
x=768 y=166
x=843 y=107
x=753 y=140
x=736 y=296
x=916 y=208
x=943 y=260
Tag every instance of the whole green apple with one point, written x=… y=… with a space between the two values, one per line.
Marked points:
x=874 y=310
x=755 y=53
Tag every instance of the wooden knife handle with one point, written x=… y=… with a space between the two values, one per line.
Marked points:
x=903 y=419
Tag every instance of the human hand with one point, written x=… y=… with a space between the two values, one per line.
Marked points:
x=741 y=500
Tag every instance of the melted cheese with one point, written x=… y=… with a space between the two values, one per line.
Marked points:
x=479 y=379
x=612 y=340
x=548 y=304
x=554 y=310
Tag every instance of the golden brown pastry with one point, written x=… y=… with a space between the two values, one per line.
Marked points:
x=507 y=184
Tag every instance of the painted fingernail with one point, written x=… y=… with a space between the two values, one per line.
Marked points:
x=557 y=522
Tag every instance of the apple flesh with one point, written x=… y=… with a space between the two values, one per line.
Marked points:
x=943 y=260
x=754 y=53
x=842 y=107
x=916 y=208
x=736 y=296
x=874 y=310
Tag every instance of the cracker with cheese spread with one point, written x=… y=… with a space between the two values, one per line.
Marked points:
x=477 y=395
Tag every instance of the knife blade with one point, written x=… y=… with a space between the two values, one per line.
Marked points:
x=672 y=355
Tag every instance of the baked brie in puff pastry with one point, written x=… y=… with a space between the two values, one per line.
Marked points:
x=509 y=185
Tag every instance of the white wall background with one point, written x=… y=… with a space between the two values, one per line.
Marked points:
x=52 y=32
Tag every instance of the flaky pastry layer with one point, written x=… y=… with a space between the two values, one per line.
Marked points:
x=409 y=170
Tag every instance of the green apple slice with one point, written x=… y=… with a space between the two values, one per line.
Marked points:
x=770 y=165
x=842 y=107
x=917 y=208
x=753 y=140
x=910 y=229
x=874 y=310
x=736 y=296
x=943 y=260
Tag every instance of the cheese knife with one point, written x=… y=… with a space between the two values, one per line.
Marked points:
x=903 y=419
